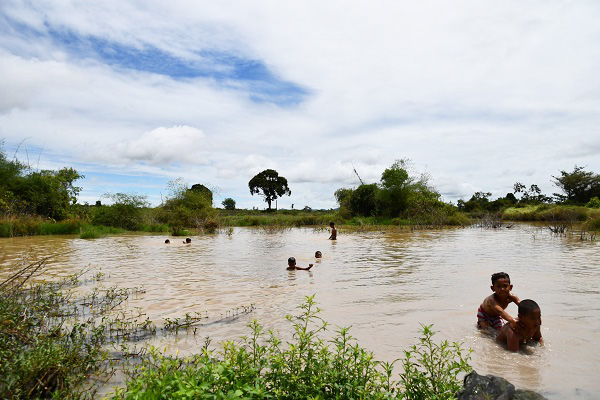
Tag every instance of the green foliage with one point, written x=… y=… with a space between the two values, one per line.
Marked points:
x=578 y=186
x=34 y=225
x=228 y=203
x=186 y=207
x=593 y=224
x=399 y=195
x=43 y=353
x=46 y=193
x=593 y=203
x=270 y=185
x=431 y=369
x=546 y=212
x=309 y=367
x=125 y=212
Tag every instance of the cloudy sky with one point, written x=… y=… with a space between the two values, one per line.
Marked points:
x=133 y=94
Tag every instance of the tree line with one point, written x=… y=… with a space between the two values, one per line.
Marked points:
x=400 y=194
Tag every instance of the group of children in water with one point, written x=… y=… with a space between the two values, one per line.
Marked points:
x=492 y=313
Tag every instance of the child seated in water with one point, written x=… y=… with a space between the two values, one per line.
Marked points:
x=530 y=320
x=491 y=311
x=292 y=265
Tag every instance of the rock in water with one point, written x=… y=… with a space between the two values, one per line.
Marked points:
x=490 y=387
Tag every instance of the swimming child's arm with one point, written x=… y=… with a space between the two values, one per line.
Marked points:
x=305 y=269
x=515 y=326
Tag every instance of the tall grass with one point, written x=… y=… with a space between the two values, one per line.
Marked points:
x=547 y=212
x=34 y=225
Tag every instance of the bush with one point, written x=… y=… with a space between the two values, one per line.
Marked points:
x=43 y=352
x=593 y=203
x=261 y=366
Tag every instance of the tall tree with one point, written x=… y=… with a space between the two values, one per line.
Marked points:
x=579 y=186
x=269 y=185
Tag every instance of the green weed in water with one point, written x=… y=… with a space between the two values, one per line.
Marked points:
x=309 y=367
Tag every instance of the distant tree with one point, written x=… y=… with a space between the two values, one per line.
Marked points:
x=47 y=193
x=229 y=203
x=204 y=190
x=533 y=195
x=270 y=185
x=364 y=200
x=125 y=212
x=578 y=186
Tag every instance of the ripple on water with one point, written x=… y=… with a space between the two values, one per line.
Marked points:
x=382 y=284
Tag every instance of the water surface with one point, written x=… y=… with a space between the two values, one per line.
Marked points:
x=382 y=284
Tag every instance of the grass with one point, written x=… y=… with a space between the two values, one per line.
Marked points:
x=548 y=212
x=34 y=225
x=42 y=354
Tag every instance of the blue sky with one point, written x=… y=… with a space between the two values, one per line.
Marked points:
x=478 y=95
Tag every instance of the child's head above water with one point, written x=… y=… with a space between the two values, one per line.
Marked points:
x=530 y=314
x=291 y=261
x=318 y=254
x=500 y=275
x=501 y=285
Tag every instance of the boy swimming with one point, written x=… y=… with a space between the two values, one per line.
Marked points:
x=530 y=319
x=491 y=311
x=292 y=265
x=318 y=254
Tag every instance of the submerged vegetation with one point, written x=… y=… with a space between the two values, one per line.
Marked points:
x=310 y=366
x=57 y=341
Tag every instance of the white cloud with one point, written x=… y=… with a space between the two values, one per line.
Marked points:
x=161 y=146
x=471 y=89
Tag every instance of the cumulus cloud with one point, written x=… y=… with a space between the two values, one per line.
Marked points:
x=484 y=95
x=158 y=147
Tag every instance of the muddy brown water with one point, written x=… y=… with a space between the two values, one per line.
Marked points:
x=382 y=284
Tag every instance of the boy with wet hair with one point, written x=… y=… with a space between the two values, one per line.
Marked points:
x=492 y=309
x=292 y=265
x=530 y=319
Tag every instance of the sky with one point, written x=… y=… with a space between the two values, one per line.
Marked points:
x=134 y=94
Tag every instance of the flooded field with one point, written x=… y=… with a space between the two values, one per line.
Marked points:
x=382 y=284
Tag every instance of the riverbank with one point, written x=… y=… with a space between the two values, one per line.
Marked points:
x=584 y=218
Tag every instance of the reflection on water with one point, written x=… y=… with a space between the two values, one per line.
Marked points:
x=382 y=284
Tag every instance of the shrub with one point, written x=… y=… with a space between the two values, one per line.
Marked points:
x=593 y=203
x=261 y=366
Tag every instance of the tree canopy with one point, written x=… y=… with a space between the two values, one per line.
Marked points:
x=47 y=193
x=578 y=186
x=270 y=185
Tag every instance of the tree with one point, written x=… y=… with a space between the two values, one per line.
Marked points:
x=229 y=203
x=578 y=186
x=270 y=185
x=204 y=190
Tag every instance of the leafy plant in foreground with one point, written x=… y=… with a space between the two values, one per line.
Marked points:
x=262 y=366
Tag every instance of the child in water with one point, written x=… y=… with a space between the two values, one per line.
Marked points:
x=530 y=319
x=492 y=310
x=318 y=254
x=292 y=265
x=333 y=231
